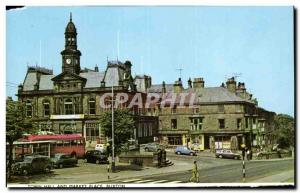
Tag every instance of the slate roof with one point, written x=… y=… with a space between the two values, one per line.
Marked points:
x=203 y=95
x=93 y=79
x=157 y=88
x=30 y=81
x=216 y=94
x=46 y=82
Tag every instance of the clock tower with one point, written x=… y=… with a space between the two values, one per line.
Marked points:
x=70 y=55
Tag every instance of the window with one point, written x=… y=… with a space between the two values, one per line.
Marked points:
x=246 y=121
x=92 y=131
x=46 y=105
x=196 y=124
x=221 y=108
x=68 y=107
x=28 y=109
x=239 y=123
x=238 y=108
x=221 y=123
x=196 y=110
x=173 y=110
x=174 y=123
x=92 y=106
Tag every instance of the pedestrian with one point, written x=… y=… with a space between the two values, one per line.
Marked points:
x=195 y=173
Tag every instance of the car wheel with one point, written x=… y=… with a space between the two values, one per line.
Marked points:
x=97 y=161
x=25 y=172
x=236 y=158
x=178 y=152
x=220 y=156
x=60 y=166
x=191 y=154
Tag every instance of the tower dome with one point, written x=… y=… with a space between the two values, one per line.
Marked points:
x=70 y=27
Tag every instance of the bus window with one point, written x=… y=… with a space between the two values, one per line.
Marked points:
x=59 y=143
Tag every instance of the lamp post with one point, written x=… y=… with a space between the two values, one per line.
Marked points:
x=112 y=131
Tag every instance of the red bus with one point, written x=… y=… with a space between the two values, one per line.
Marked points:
x=73 y=144
x=49 y=145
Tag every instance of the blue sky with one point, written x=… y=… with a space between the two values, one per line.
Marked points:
x=206 y=41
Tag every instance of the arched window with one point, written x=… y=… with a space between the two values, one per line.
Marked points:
x=46 y=105
x=92 y=106
x=68 y=107
x=28 y=108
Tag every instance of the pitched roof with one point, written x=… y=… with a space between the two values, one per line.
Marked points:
x=215 y=94
x=157 y=88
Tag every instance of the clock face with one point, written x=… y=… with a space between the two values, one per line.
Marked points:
x=68 y=61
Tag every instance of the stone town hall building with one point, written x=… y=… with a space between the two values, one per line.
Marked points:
x=222 y=117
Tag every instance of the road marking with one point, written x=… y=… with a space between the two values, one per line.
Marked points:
x=131 y=180
x=159 y=181
x=142 y=181
x=174 y=182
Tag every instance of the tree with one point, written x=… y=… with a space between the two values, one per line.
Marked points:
x=285 y=130
x=16 y=124
x=123 y=126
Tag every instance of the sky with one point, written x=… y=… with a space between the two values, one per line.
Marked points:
x=255 y=44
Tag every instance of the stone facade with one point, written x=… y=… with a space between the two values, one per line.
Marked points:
x=70 y=101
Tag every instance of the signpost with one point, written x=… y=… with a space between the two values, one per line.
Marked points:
x=244 y=169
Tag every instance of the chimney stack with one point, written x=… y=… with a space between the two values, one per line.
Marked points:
x=96 y=68
x=198 y=83
x=177 y=87
x=190 y=83
x=231 y=84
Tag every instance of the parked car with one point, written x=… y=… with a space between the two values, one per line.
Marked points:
x=184 y=150
x=61 y=160
x=100 y=147
x=32 y=164
x=153 y=147
x=227 y=153
x=96 y=156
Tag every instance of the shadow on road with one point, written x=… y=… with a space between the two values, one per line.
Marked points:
x=131 y=167
x=31 y=178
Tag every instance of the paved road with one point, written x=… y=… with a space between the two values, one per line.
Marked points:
x=221 y=174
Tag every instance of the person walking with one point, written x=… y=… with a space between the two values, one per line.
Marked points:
x=195 y=173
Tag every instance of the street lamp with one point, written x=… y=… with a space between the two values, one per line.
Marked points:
x=112 y=131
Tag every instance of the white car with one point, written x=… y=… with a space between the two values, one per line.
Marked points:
x=100 y=147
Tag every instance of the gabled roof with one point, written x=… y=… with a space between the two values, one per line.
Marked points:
x=68 y=74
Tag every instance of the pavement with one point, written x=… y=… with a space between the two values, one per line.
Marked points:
x=285 y=176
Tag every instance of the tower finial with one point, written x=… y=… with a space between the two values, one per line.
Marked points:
x=70 y=16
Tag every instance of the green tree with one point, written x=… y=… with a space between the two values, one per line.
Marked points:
x=285 y=130
x=16 y=125
x=123 y=126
